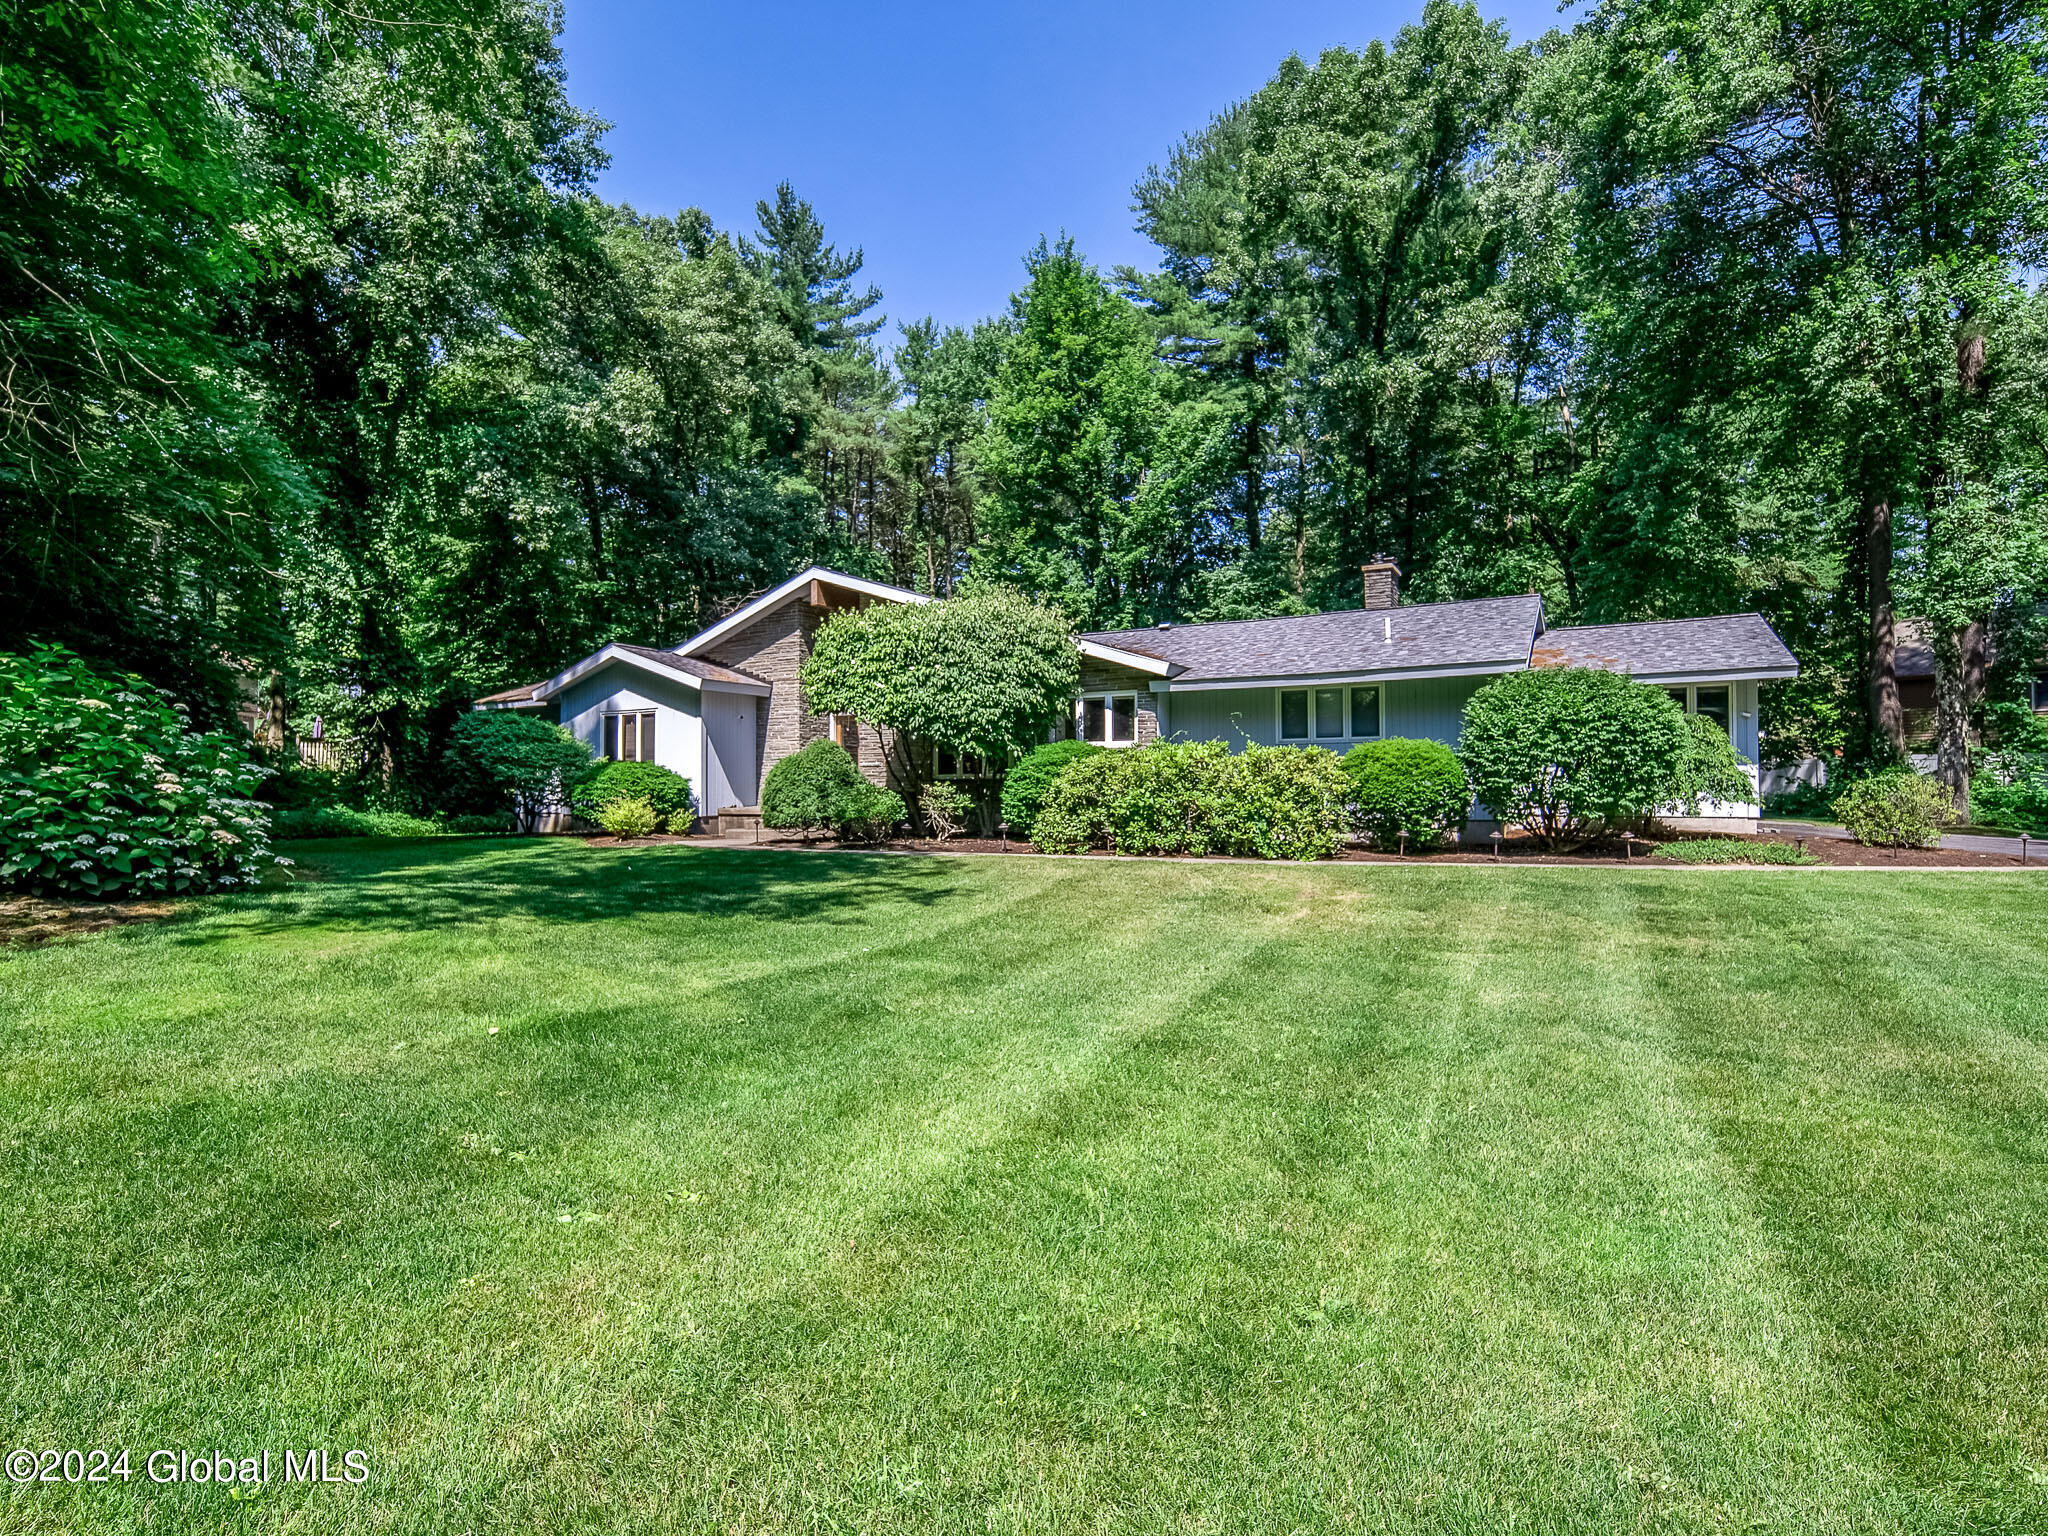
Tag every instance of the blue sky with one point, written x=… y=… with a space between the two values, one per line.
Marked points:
x=943 y=139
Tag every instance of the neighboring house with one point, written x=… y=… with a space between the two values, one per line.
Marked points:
x=1913 y=666
x=726 y=705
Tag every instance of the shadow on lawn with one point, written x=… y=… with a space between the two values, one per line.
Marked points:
x=430 y=884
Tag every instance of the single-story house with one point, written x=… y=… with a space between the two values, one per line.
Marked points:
x=726 y=705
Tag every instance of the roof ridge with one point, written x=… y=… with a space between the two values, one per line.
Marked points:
x=1698 y=618
x=1322 y=613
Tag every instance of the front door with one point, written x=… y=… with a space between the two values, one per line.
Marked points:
x=729 y=750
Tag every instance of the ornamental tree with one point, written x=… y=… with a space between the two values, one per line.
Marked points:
x=985 y=673
x=1569 y=753
x=522 y=762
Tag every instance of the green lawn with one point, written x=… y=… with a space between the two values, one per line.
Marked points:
x=843 y=1193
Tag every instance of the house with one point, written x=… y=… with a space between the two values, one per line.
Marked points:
x=726 y=705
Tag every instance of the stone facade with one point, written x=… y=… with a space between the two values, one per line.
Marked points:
x=774 y=648
x=1101 y=677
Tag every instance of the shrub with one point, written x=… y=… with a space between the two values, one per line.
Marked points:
x=1282 y=803
x=666 y=792
x=104 y=792
x=521 y=762
x=805 y=789
x=1802 y=800
x=1896 y=809
x=1415 y=790
x=1569 y=752
x=1196 y=798
x=944 y=808
x=2012 y=792
x=345 y=821
x=1733 y=850
x=628 y=816
x=475 y=824
x=866 y=813
x=1709 y=768
x=1031 y=776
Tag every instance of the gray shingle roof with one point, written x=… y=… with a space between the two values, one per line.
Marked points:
x=1492 y=632
x=690 y=664
x=669 y=659
x=1734 y=644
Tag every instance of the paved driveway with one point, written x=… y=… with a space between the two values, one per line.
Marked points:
x=2009 y=846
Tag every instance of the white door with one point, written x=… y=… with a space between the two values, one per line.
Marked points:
x=728 y=750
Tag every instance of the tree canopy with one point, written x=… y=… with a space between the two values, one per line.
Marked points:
x=329 y=378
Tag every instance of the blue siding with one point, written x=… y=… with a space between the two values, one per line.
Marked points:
x=1235 y=715
x=1428 y=707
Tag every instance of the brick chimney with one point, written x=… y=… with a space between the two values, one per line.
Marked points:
x=1382 y=583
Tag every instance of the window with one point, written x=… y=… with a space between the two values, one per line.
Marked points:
x=629 y=736
x=1329 y=712
x=1324 y=712
x=2040 y=694
x=1713 y=703
x=1716 y=701
x=1293 y=714
x=1365 y=713
x=1109 y=719
x=948 y=764
x=844 y=731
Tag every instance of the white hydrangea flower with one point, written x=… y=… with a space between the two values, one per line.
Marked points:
x=223 y=837
x=207 y=821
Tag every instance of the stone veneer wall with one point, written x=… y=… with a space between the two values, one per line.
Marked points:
x=1101 y=677
x=774 y=648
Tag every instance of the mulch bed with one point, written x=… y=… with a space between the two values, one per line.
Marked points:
x=30 y=920
x=1514 y=849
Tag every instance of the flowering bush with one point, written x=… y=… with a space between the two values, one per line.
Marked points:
x=104 y=792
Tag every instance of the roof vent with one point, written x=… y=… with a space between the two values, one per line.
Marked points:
x=1165 y=626
x=1382 y=583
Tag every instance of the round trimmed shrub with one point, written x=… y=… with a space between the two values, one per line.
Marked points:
x=1030 y=779
x=1402 y=788
x=666 y=792
x=628 y=816
x=104 y=792
x=1570 y=752
x=804 y=791
x=1896 y=809
x=866 y=813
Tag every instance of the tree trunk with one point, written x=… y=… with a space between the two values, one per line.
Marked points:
x=274 y=728
x=1958 y=688
x=1887 y=720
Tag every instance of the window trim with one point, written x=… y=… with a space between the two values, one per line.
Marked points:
x=1349 y=713
x=1107 y=699
x=2040 y=693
